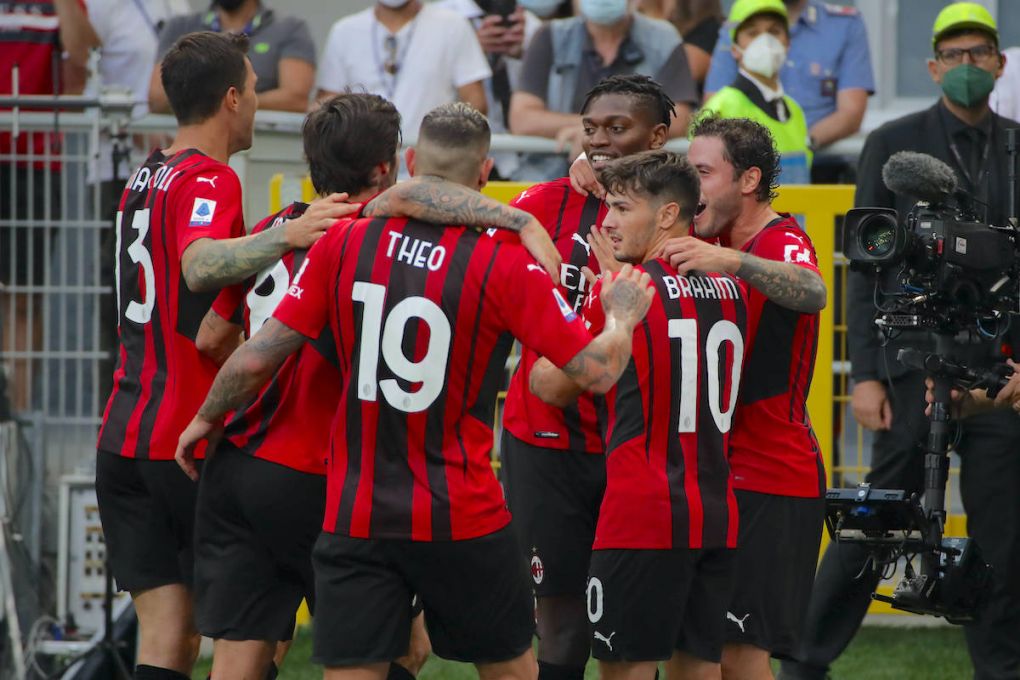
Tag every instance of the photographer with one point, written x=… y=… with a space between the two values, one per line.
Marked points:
x=888 y=398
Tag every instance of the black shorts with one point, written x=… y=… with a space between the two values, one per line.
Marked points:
x=256 y=525
x=645 y=604
x=27 y=244
x=775 y=567
x=475 y=594
x=554 y=497
x=148 y=512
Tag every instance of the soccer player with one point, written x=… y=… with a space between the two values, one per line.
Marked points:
x=261 y=498
x=777 y=467
x=554 y=471
x=423 y=319
x=662 y=565
x=180 y=239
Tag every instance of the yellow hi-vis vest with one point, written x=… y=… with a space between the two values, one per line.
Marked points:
x=791 y=137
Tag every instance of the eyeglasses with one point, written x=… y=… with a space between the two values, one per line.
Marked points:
x=391 y=65
x=978 y=54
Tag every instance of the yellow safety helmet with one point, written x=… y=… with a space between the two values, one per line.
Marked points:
x=745 y=9
x=964 y=15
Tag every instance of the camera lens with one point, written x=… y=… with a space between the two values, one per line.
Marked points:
x=878 y=235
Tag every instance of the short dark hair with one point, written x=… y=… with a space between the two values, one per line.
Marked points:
x=198 y=71
x=346 y=138
x=452 y=141
x=746 y=145
x=663 y=175
x=646 y=92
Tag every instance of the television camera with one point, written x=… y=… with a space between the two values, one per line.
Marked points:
x=954 y=273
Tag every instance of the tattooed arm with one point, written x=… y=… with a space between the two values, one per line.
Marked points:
x=433 y=199
x=240 y=378
x=597 y=367
x=785 y=283
x=217 y=337
x=210 y=264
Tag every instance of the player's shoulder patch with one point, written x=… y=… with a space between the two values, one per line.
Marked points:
x=202 y=212
x=840 y=10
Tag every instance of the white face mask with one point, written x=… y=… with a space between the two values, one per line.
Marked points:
x=393 y=4
x=764 y=56
x=603 y=12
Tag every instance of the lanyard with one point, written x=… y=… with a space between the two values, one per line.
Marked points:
x=975 y=182
x=390 y=82
x=154 y=25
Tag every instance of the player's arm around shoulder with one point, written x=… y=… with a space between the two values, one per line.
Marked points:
x=218 y=337
x=211 y=263
x=625 y=299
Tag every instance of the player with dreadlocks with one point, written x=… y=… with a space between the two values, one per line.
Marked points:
x=554 y=470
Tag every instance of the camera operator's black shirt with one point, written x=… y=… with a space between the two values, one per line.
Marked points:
x=932 y=132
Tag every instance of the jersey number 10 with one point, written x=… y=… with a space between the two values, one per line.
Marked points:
x=686 y=330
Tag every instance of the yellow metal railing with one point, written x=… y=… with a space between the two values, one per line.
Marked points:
x=819 y=208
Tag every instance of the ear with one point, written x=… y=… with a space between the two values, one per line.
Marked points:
x=736 y=52
x=232 y=99
x=750 y=180
x=483 y=177
x=933 y=71
x=660 y=135
x=1002 y=65
x=409 y=159
x=667 y=215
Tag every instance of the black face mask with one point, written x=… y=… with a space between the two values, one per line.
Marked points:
x=229 y=5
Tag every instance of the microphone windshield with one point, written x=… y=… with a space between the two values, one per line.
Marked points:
x=919 y=176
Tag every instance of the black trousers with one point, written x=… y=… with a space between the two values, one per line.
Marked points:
x=990 y=485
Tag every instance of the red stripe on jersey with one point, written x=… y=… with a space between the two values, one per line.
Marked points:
x=568 y=217
x=773 y=447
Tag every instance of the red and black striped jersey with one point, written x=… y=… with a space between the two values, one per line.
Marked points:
x=424 y=318
x=568 y=216
x=161 y=378
x=667 y=479
x=773 y=448
x=288 y=422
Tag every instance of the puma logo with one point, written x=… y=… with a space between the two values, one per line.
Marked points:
x=740 y=622
x=210 y=180
x=580 y=239
x=608 y=640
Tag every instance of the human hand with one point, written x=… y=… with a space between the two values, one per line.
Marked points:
x=687 y=254
x=197 y=430
x=569 y=139
x=499 y=35
x=626 y=296
x=304 y=231
x=583 y=179
x=871 y=406
x=536 y=239
x=1009 y=396
x=960 y=401
x=602 y=249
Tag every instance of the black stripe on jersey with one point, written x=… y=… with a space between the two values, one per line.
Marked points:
x=767 y=370
x=364 y=265
x=629 y=412
x=435 y=423
x=393 y=482
x=157 y=387
x=343 y=361
x=563 y=208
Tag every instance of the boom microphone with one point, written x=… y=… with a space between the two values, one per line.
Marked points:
x=919 y=176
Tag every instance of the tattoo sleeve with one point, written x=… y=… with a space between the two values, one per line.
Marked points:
x=786 y=284
x=249 y=368
x=596 y=368
x=211 y=264
x=434 y=199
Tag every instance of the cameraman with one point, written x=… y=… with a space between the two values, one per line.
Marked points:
x=888 y=398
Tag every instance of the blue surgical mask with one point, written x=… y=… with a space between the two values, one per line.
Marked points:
x=541 y=8
x=604 y=12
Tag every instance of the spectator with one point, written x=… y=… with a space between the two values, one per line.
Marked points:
x=827 y=71
x=129 y=34
x=419 y=56
x=548 y=9
x=761 y=35
x=504 y=39
x=49 y=41
x=1005 y=99
x=698 y=22
x=282 y=52
x=569 y=56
